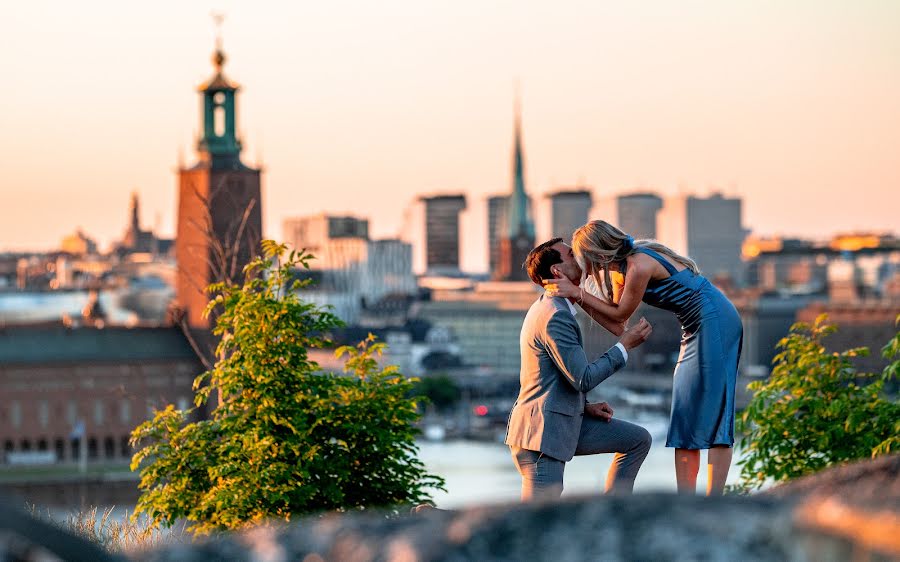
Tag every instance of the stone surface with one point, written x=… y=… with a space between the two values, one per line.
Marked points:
x=849 y=512
x=643 y=527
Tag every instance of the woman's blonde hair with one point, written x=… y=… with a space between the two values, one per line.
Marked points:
x=598 y=244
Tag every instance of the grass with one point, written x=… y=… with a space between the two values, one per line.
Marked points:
x=126 y=535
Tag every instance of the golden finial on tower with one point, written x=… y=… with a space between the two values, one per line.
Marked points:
x=219 y=56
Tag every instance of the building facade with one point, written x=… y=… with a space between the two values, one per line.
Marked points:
x=498 y=210
x=350 y=271
x=636 y=214
x=709 y=230
x=569 y=209
x=65 y=388
x=442 y=233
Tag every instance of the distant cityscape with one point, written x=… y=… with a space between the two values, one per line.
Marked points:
x=91 y=342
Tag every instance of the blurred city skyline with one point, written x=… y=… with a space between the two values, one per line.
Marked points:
x=359 y=108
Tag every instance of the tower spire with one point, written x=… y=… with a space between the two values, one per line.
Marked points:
x=135 y=213
x=219 y=142
x=219 y=54
x=519 y=222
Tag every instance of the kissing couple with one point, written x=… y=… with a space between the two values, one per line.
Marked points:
x=552 y=421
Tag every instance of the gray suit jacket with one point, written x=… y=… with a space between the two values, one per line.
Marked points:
x=555 y=376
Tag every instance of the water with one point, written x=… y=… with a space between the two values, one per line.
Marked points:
x=482 y=472
x=26 y=307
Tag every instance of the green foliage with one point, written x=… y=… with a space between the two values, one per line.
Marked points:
x=440 y=390
x=816 y=409
x=284 y=438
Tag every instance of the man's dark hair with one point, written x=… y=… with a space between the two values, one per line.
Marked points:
x=541 y=259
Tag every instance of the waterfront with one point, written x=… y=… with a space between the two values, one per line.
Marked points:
x=476 y=472
x=483 y=472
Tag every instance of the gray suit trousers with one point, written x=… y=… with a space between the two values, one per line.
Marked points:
x=542 y=475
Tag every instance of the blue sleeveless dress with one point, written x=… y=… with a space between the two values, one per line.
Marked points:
x=706 y=373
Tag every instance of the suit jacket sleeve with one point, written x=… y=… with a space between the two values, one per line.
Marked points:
x=568 y=354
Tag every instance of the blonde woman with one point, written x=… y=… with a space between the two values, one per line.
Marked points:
x=625 y=273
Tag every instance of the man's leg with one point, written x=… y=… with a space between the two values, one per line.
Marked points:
x=629 y=441
x=542 y=476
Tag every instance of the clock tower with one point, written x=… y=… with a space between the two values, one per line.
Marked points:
x=219 y=201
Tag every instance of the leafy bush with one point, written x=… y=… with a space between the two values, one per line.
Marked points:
x=816 y=410
x=285 y=439
x=440 y=390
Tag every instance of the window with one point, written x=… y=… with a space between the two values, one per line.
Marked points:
x=219 y=121
x=98 y=412
x=124 y=447
x=60 y=447
x=109 y=448
x=42 y=445
x=15 y=413
x=71 y=412
x=92 y=448
x=125 y=411
x=43 y=413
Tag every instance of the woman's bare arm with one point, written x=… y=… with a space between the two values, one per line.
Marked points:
x=611 y=316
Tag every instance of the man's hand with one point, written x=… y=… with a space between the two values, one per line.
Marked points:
x=636 y=335
x=601 y=410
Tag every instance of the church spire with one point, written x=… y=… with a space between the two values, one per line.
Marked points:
x=135 y=225
x=519 y=221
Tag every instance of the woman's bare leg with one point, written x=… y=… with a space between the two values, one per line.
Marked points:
x=718 y=463
x=687 y=465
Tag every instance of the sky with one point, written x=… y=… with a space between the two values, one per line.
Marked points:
x=360 y=107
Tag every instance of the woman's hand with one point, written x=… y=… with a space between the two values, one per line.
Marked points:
x=561 y=287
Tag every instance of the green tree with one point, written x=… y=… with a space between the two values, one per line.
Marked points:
x=815 y=409
x=440 y=390
x=284 y=439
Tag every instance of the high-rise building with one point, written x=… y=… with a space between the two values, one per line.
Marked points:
x=498 y=208
x=518 y=239
x=349 y=270
x=637 y=214
x=709 y=230
x=219 y=202
x=390 y=269
x=335 y=241
x=569 y=209
x=442 y=235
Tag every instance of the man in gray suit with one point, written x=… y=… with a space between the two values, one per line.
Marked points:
x=551 y=421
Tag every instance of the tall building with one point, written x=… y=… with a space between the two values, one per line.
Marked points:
x=219 y=202
x=335 y=241
x=569 y=209
x=637 y=214
x=518 y=239
x=442 y=239
x=390 y=269
x=709 y=230
x=498 y=208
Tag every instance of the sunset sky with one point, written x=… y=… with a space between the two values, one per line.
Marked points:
x=358 y=107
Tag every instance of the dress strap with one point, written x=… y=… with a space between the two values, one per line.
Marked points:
x=665 y=263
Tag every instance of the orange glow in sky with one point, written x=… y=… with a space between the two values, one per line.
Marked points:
x=358 y=107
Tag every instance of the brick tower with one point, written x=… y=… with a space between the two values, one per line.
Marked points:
x=219 y=202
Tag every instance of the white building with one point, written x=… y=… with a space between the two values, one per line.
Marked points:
x=350 y=270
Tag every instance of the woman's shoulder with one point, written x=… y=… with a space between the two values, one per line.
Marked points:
x=638 y=261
